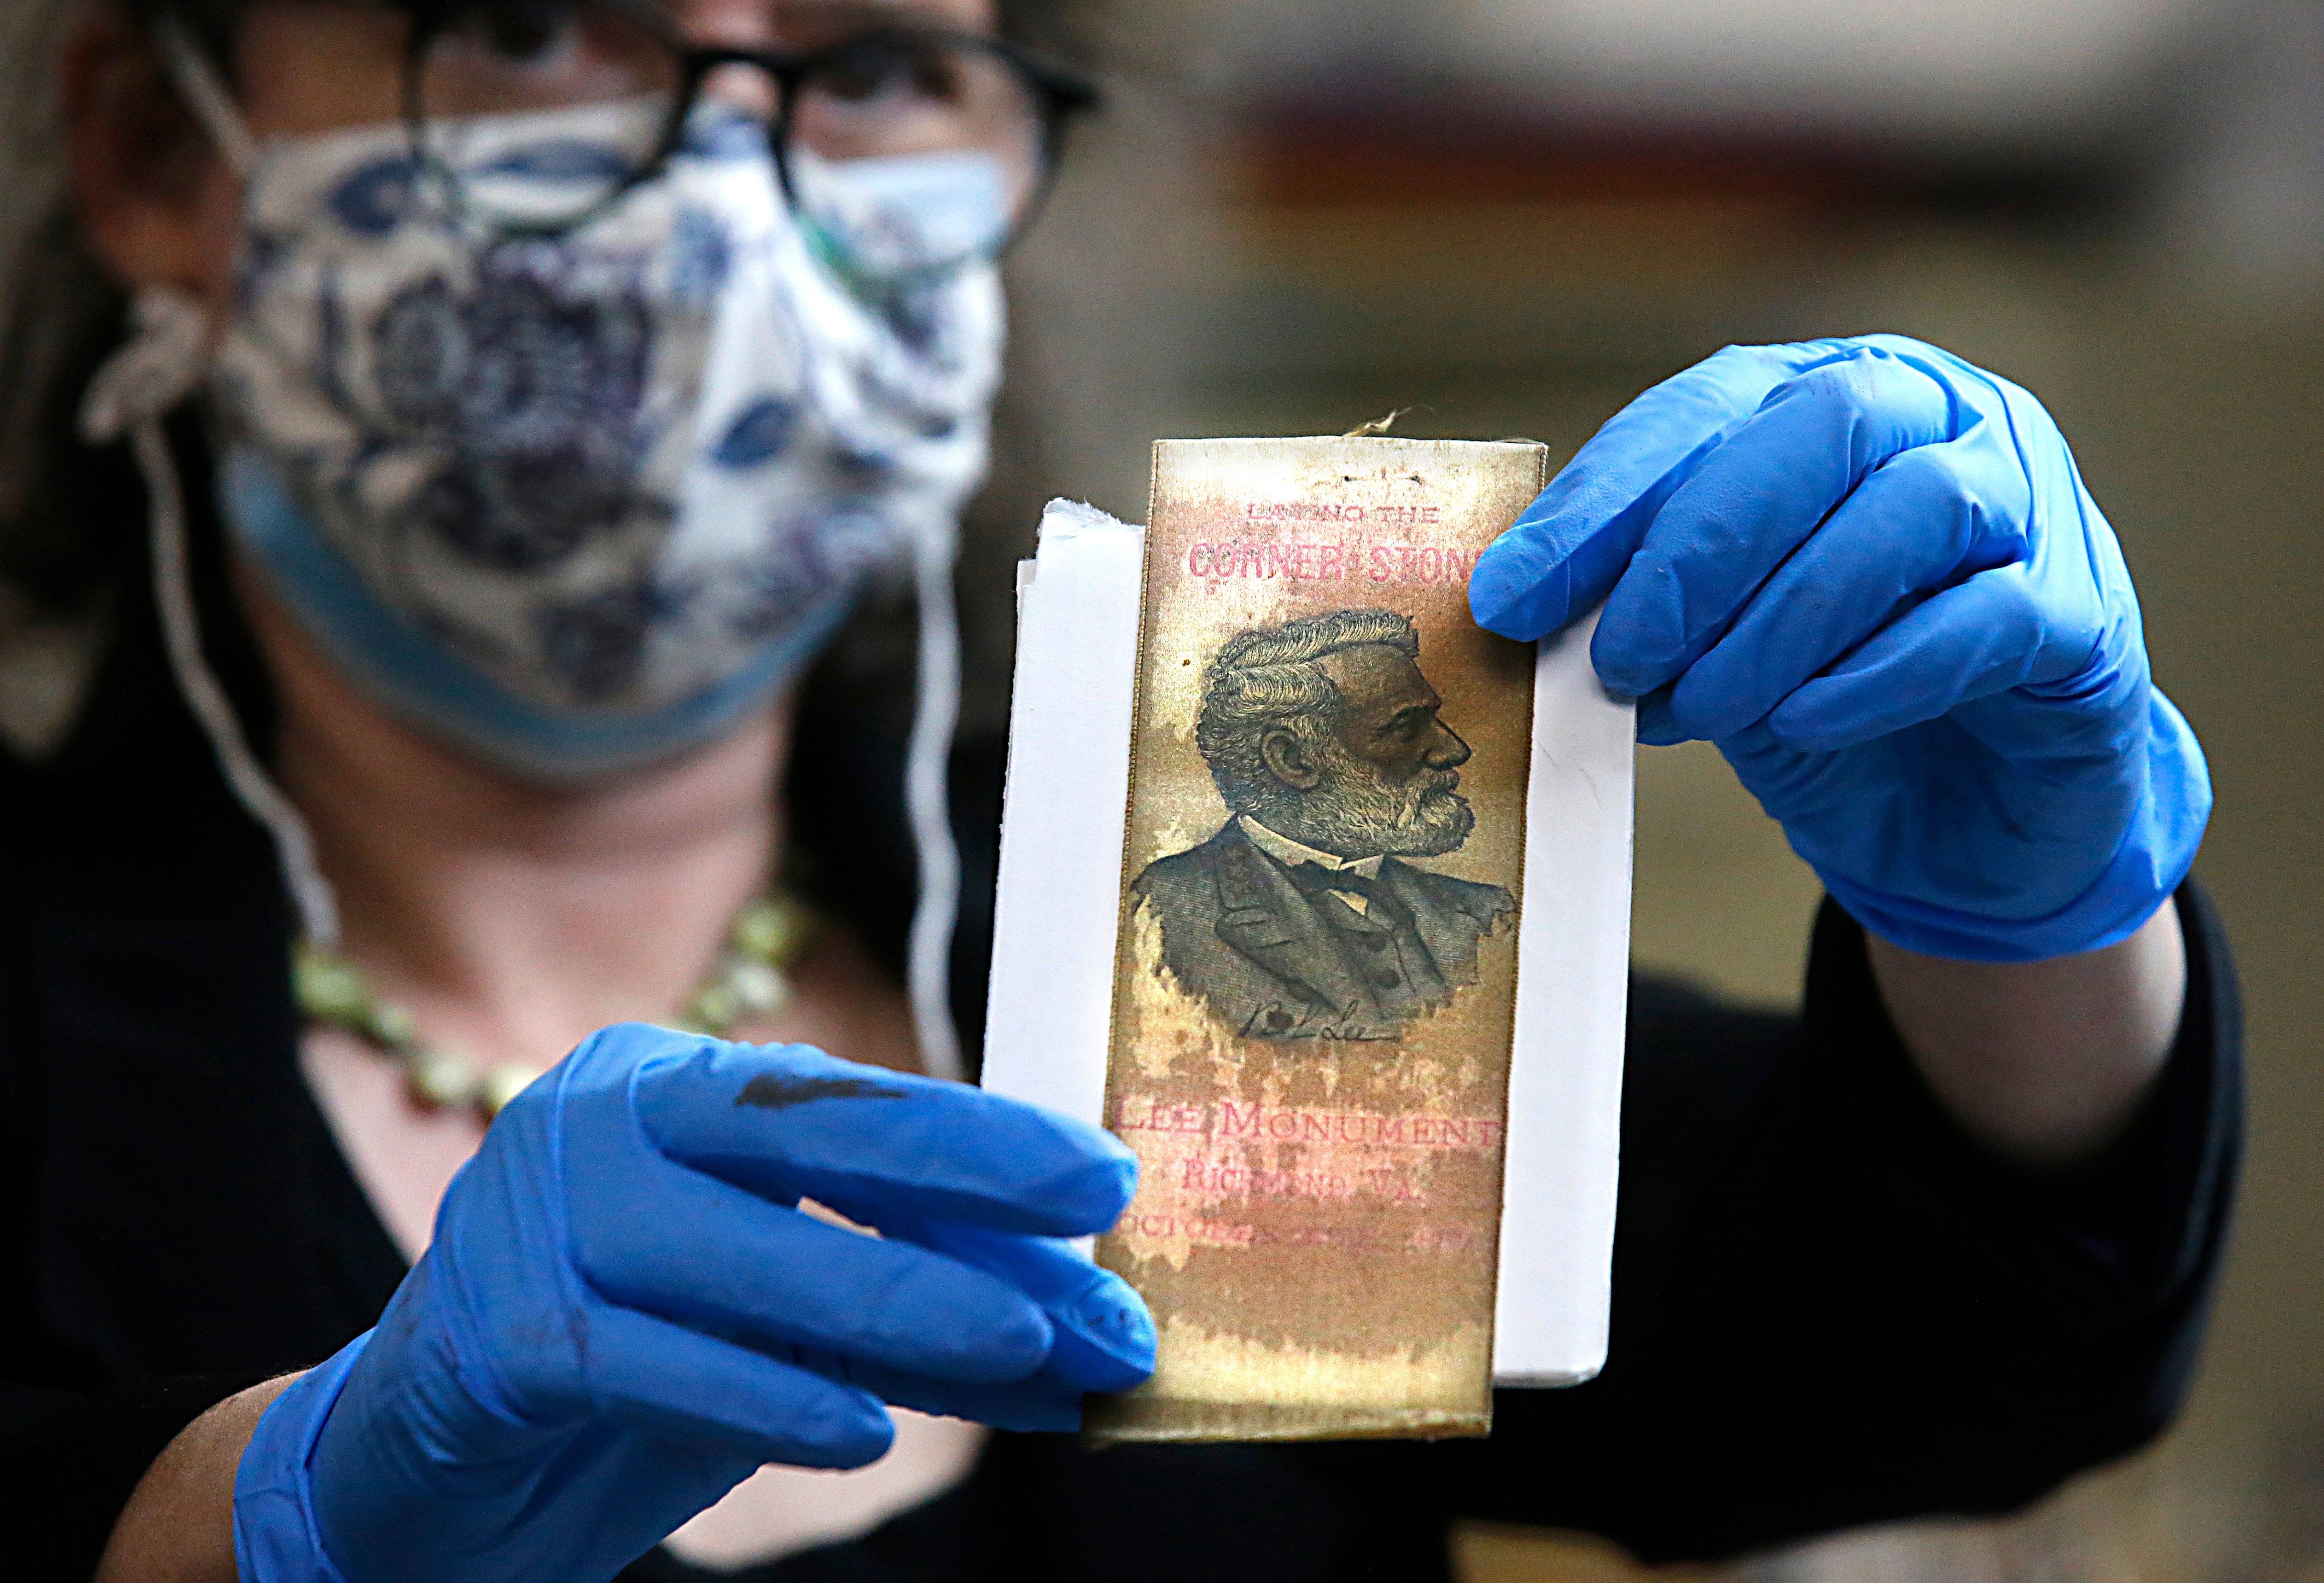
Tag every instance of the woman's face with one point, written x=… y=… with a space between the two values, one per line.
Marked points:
x=159 y=205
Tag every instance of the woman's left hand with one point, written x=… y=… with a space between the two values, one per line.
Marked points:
x=1869 y=572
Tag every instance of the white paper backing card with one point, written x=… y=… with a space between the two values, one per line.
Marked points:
x=1063 y=824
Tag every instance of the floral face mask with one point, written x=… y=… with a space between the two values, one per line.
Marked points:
x=580 y=502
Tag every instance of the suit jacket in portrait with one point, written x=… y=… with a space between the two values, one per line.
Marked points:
x=1275 y=956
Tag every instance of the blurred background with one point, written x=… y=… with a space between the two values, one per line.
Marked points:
x=1509 y=216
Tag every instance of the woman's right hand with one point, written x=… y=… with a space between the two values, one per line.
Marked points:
x=623 y=1312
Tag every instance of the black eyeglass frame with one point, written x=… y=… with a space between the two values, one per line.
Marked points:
x=1058 y=91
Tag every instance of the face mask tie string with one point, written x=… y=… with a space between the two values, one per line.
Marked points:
x=927 y=759
x=205 y=93
x=162 y=363
x=156 y=369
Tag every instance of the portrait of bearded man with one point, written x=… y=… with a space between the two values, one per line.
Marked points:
x=1303 y=917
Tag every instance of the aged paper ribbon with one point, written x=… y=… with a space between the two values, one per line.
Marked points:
x=1314 y=983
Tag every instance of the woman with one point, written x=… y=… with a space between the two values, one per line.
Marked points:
x=513 y=417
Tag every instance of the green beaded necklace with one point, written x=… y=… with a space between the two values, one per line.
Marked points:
x=749 y=980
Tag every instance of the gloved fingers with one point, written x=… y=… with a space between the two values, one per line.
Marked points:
x=1045 y=1404
x=786 y=1120
x=1927 y=518
x=2090 y=721
x=699 y=1252
x=1565 y=550
x=1104 y=1335
x=1971 y=642
x=1753 y=503
x=664 y=1380
x=1656 y=726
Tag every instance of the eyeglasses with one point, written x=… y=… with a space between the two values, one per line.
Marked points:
x=904 y=151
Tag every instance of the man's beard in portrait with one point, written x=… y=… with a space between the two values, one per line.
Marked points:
x=1355 y=814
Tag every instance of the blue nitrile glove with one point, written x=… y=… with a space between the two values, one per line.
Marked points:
x=1869 y=572
x=623 y=1315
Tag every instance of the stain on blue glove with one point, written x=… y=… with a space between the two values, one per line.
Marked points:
x=623 y=1312
x=1869 y=572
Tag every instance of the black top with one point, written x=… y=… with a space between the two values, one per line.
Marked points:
x=1829 y=1308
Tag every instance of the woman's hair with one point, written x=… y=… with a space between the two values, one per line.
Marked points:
x=60 y=315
